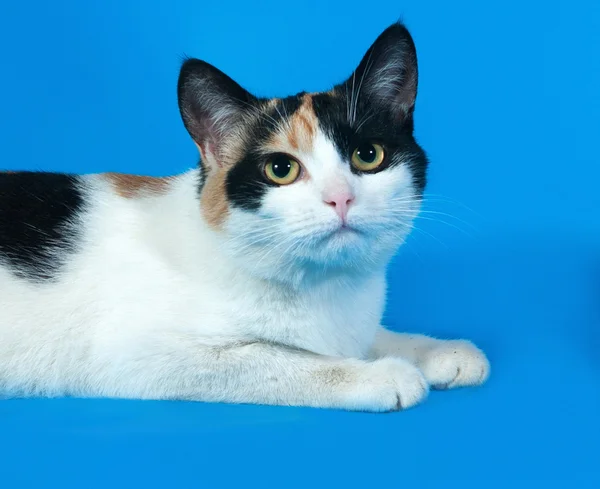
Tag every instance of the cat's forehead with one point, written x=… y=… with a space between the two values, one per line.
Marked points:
x=291 y=124
x=294 y=124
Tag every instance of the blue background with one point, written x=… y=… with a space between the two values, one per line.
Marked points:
x=509 y=254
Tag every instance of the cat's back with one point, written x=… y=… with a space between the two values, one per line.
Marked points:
x=85 y=260
x=54 y=226
x=78 y=241
x=40 y=216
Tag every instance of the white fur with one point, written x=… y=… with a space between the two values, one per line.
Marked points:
x=271 y=309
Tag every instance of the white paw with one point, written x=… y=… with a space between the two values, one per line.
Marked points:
x=455 y=364
x=389 y=384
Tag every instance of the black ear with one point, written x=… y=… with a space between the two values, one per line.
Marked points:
x=387 y=74
x=212 y=107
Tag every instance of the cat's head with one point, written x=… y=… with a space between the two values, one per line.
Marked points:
x=316 y=181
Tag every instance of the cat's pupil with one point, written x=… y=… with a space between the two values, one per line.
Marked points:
x=281 y=167
x=367 y=153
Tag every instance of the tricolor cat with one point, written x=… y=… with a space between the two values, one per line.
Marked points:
x=258 y=277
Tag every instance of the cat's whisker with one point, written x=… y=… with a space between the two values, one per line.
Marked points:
x=272 y=223
x=447 y=224
x=408 y=246
x=449 y=200
x=258 y=234
x=445 y=197
x=365 y=72
x=283 y=121
x=271 y=252
x=350 y=121
x=364 y=120
x=428 y=234
x=289 y=122
x=445 y=214
x=423 y=212
x=433 y=198
x=418 y=217
x=256 y=237
x=266 y=231
x=288 y=233
x=347 y=104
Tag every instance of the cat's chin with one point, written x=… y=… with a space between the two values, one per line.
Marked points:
x=343 y=253
x=350 y=250
x=330 y=251
x=343 y=239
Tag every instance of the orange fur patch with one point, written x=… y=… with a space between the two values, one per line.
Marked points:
x=214 y=198
x=272 y=103
x=303 y=126
x=131 y=186
x=298 y=134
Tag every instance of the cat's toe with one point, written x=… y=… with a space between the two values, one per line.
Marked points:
x=455 y=364
x=388 y=384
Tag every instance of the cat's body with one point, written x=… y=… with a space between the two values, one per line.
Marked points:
x=233 y=282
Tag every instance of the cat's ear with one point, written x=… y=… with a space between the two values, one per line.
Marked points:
x=388 y=72
x=213 y=108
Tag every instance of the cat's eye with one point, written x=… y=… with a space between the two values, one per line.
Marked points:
x=282 y=170
x=368 y=156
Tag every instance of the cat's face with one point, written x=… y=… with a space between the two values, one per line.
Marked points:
x=317 y=181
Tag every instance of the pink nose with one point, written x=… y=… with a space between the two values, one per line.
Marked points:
x=340 y=201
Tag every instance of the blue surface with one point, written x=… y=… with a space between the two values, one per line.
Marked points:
x=509 y=111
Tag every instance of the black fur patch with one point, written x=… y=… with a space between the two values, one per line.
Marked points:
x=202 y=176
x=246 y=182
x=35 y=211
x=374 y=123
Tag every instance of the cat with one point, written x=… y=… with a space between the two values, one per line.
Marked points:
x=258 y=276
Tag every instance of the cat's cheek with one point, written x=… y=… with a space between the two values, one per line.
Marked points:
x=385 y=200
x=242 y=227
x=392 y=183
x=295 y=205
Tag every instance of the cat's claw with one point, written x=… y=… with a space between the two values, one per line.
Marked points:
x=455 y=364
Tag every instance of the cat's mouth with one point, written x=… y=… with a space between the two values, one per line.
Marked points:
x=343 y=231
x=337 y=235
x=346 y=228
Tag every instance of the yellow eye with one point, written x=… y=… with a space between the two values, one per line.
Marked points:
x=367 y=156
x=282 y=170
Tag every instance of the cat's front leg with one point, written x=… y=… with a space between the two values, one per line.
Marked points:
x=445 y=363
x=262 y=373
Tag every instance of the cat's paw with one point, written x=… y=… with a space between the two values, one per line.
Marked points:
x=389 y=384
x=455 y=364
